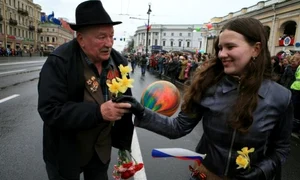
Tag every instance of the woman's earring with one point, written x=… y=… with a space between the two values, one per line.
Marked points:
x=253 y=58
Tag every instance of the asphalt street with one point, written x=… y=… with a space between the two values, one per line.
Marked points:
x=21 y=132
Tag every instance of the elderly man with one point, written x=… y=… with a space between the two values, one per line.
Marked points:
x=81 y=123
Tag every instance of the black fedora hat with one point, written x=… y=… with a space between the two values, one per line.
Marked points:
x=90 y=13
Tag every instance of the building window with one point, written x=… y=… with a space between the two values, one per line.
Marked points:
x=165 y=34
x=42 y=39
x=187 y=44
x=53 y=39
x=15 y=31
x=23 y=33
x=171 y=43
x=172 y=34
x=155 y=42
x=53 y=30
x=180 y=34
x=10 y=31
x=156 y=33
x=19 y=32
x=1 y=28
x=179 y=44
x=47 y=39
x=164 y=43
x=189 y=34
x=149 y=41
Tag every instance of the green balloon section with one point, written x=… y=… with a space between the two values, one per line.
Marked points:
x=162 y=97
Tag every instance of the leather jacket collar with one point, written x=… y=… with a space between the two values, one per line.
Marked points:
x=230 y=83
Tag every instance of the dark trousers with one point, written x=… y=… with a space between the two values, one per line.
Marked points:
x=94 y=170
x=143 y=69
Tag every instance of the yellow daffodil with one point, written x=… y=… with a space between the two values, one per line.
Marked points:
x=243 y=159
x=124 y=70
x=114 y=87
x=242 y=162
x=245 y=151
x=125 y=83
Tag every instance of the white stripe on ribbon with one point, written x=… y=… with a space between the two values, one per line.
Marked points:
x=180 y=153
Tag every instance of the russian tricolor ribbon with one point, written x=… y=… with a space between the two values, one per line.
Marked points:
x=180 y=153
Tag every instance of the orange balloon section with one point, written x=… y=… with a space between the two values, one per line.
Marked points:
x=162 y=97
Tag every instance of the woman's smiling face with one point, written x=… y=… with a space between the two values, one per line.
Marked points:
x=235 y=52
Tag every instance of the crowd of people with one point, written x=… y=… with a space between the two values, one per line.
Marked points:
x=179 y=66
x=286 y=69
x=16 y=52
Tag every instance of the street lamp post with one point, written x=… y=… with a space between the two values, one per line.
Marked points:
x=149 y=11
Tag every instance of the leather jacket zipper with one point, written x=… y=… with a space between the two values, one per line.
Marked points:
x=229 y=154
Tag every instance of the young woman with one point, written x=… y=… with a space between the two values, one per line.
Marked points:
x=238 y=103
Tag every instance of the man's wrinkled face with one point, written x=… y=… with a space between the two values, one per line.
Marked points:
x=97 y=42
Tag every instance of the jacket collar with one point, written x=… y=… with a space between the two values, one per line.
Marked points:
x=230 y=83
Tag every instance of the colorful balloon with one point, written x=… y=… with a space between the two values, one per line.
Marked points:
x=162 y=97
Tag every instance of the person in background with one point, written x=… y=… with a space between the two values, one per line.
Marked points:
x=173 y=68
x=295 y=88
x=288 y=76
x=81 y=123
x=239 y=105
x=276 y=69
x=143 y=64
x=133 y=62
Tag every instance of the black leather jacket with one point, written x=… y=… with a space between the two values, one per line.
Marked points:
x=269 y=134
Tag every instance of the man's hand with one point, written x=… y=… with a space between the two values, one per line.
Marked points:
x=112 y=111
x=136 y=108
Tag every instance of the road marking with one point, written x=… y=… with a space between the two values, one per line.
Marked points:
x=7 y=72
x=16 y=63
x=9 y=97
x=136 y=153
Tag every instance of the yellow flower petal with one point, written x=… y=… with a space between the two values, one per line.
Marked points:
x=240 y=152
x=251 y=150
x=114 y=86
x=242 y=162
x=246 y=151
x=125 y=82
x=124 y=70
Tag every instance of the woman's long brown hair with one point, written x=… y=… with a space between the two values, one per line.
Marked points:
x=255 y=72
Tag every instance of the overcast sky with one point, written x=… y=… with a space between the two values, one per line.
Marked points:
x=163 y=12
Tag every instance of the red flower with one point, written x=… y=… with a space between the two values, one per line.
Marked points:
x=126 y=167
x=127 y=174
x=139 y=166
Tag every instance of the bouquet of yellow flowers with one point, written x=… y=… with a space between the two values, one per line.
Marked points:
x=127 y=166
x=118 y=86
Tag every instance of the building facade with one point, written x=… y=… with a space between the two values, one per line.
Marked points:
x=280 y=18
x=19 y=21
x=169 y=37
x=53 y=35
